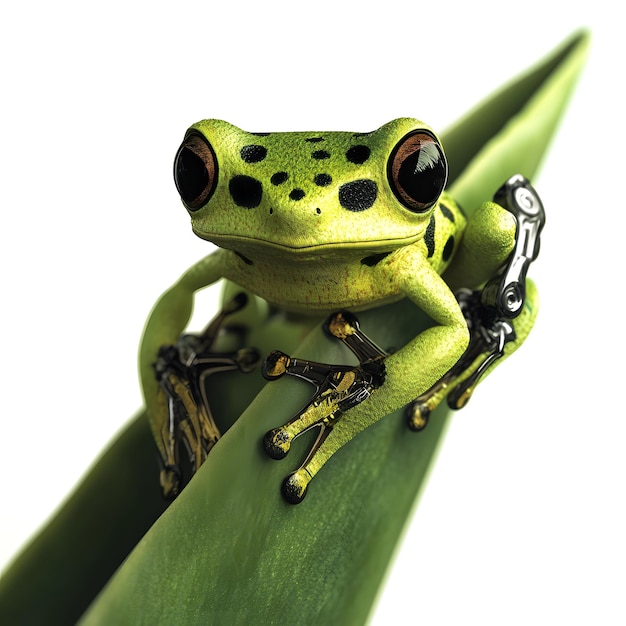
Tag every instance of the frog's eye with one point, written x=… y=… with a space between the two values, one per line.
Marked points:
x=195 y=171
x=417 y=171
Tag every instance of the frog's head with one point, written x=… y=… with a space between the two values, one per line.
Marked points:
x=310 y=193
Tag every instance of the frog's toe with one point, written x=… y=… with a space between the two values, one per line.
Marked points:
x=460 y=395
x=295 y=485
x=171 y=480
x=341 y=325
x=418 y=414
x=277 y=443
x=275 y=365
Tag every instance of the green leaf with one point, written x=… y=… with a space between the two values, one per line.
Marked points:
x=59 y=573
x=511 y=130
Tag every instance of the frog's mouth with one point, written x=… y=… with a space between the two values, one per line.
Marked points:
x=252 y=249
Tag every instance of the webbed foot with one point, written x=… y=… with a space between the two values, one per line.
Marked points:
x=338 y=388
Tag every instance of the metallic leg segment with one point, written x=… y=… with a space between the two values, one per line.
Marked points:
x=183 y=407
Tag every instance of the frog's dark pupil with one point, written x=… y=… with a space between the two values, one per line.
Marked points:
x=358 y=195
x=422 y=183
x=358 y=154
x=279 y=178
x=323 y=180
x=253 y=153
x=191 y=177
x=246 y=191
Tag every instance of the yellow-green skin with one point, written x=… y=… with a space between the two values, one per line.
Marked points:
x=305 y=253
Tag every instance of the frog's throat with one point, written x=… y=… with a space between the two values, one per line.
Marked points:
x=243 y=244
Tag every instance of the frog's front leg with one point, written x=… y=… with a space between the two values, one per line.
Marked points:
x=165 y=324
x=408 y=372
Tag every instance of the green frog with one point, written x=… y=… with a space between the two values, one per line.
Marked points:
x=329 y=224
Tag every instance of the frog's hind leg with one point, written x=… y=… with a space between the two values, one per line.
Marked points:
x=501 y=241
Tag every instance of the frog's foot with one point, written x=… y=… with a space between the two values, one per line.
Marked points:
x=338 y=388
x=182 y=403
x=499 y=316
x=277 y=442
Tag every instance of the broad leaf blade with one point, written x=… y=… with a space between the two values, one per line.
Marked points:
x=510 y=131
x=230 y=550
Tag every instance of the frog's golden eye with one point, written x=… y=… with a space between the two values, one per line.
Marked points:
x=417 y=171
x=195 y=171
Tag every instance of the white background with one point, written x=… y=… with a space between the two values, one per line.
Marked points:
x=523 y=518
